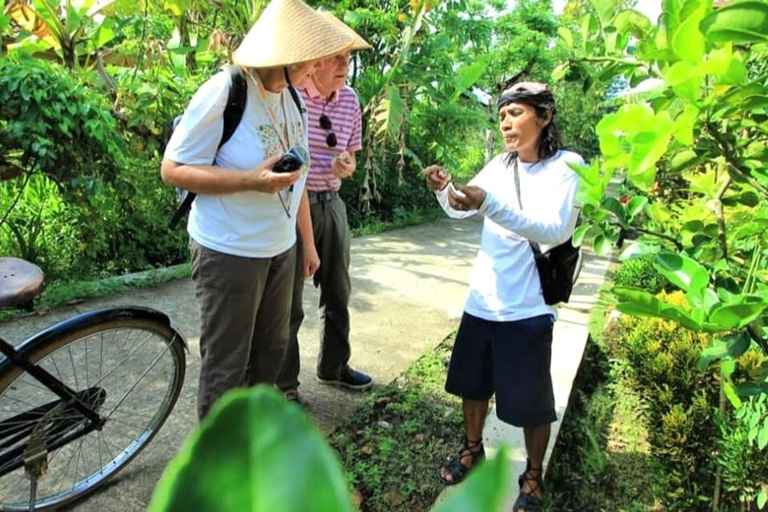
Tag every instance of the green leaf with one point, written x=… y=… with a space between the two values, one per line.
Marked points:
x=684 y=78
x=578 y=235
x=642 y=303
x=762 y=499
x=647 y=149
x=561 y=71
x=684 y=160
x=739 y=22
x=636 y=205
x=485 y=489
x=603 y=245
x=615 y=207
x=253 y=451
x=736 y=316
x=682 y=271
x=688 y=42
x=634 y=22
x=762 y=437
x=467 y=76
x=566 y=35
x=731 y=395
x=685 y=124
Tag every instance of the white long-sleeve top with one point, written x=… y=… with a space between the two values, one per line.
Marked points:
x=504 y=285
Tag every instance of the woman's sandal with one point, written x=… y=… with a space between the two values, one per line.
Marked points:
x=526 y=500
x=454 y=466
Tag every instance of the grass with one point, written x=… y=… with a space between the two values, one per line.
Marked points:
x=392 y=447
x=60 y=293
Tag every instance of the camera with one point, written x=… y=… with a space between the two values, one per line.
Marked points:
x=289 y=162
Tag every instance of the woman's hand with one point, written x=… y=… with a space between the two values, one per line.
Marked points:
x=310 y=261
x=467 y=198
x=264 y=180
x=437 y=177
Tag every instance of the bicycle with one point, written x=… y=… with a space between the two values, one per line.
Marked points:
x=80 y=399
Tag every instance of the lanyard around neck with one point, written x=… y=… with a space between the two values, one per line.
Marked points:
x=283 y=136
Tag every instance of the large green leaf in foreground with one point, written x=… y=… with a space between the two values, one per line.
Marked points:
x=253 y=452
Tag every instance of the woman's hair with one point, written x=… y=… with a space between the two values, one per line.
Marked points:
x=538 y=96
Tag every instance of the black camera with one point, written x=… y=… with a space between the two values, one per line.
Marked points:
x=289 y=162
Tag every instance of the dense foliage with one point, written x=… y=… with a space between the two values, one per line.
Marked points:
x=691 y=139
x=91 y=202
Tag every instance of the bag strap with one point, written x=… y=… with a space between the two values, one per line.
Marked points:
x=233 y=114
x=534 y=246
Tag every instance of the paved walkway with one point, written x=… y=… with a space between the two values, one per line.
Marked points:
x=408 y=287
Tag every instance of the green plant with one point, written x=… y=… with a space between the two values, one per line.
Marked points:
x=52 y=124
x=741 y=453
x=254 y=451
x=639 y=273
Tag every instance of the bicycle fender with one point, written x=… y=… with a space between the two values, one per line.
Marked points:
x=91 y=318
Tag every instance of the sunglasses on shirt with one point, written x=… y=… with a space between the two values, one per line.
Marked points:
x=325 y=124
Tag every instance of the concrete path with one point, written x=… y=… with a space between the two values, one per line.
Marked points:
x=408 y=287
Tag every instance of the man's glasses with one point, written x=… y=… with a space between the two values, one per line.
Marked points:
x=325 y=124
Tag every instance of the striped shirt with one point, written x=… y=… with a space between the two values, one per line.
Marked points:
x=343 y=109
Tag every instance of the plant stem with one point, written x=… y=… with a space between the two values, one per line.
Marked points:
x=733 y=165
x=677 y=244
x=718 y=207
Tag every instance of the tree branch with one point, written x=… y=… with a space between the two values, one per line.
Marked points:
x=757 y=338
x=720 y=215
x=678 y=245
x=733 y=165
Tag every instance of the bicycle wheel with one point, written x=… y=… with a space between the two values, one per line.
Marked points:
x=130 y=370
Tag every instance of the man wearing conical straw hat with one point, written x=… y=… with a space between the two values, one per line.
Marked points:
x=334 y=136
x=242 y=224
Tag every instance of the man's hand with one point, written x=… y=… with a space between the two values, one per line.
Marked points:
x=343 y=166
x=437 y=177
x=310 y=261
x=264 y=180
x=471 y=198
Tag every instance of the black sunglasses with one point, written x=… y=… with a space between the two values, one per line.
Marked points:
x=325 y=124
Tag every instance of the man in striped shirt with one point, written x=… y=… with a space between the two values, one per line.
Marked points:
x=335 y=126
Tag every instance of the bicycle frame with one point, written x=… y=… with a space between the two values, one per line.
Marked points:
x=16 y=358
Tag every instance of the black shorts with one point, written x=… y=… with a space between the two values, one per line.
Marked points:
x=510 y=359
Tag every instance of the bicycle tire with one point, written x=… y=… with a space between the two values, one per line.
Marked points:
x=156 y=337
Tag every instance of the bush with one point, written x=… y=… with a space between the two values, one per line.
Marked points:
x=662 y=362
x=639 y=273
x=691 y=439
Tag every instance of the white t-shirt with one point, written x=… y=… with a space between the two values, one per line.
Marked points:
x=505 y=285
x=251 y=223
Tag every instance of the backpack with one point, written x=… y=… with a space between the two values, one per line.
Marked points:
x=233 y=113
x=558 y=266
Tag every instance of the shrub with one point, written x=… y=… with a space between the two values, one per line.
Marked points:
x=639 y=273
x=662 y=362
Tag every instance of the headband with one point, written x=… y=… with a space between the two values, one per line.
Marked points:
x=530 y=93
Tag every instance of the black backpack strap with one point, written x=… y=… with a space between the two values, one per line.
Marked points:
x=233 y=114
x=238 y=93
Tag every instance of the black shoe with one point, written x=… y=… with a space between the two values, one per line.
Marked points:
x=350 y=379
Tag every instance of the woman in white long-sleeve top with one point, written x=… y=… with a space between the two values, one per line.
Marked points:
x=504 y=341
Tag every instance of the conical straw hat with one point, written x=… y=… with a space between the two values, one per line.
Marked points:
x=290 y=32
x=360 y=43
